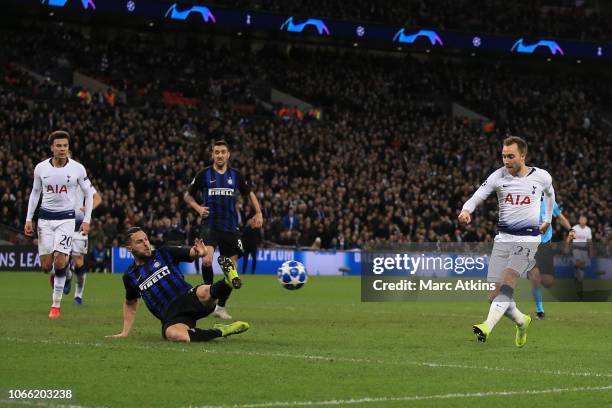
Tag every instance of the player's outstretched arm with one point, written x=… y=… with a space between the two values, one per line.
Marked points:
x=465 y=217
x=129 y=315
x=479 y=196
x=198 y=250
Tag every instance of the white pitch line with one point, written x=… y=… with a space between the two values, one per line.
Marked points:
x=366 y=400
x=313 y=357
x=43 y=403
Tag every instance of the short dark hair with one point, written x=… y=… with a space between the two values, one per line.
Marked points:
x=220 y=142
x=128 y=234
x=520 y=142
x=58 y=134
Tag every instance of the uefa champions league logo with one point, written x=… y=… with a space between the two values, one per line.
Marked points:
x=174 y=14
x=552 y=46
x=290 y=26
x=432 y=36
x=61 y=3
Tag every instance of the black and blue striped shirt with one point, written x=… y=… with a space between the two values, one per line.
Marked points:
x=218 y=192
x=159 y=280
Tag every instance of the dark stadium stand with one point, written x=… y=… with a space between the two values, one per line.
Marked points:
x=388 y=162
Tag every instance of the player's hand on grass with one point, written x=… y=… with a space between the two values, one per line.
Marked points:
x=465 y=217
x=199 y=248
x=117 y=336
x=85 y=228
x=256 y=221
x=202 y=211
x=27 y=229
x=544 y=227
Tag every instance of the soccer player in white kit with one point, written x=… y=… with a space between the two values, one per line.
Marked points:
x=57 y=178
x=581 y=248
x=518 y=189
x=79 y=243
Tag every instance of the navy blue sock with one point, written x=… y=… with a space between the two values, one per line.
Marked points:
x=207 y=274
x=507 y=291
x=203 y=335
x=223 y=300
x=220 y=290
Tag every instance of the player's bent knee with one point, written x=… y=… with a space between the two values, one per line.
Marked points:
x=60 y=261
x=203 y=293
x=510 y=276
x=177 y=333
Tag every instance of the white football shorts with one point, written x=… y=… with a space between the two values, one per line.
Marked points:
x=512 y=252
x=55 y=235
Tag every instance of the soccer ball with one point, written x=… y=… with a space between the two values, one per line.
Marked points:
x=292 y=275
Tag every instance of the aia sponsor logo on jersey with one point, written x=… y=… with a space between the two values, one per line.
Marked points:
x=57 y=189
x=517 y=199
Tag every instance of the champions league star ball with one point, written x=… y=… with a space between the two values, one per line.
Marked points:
x=292 y=275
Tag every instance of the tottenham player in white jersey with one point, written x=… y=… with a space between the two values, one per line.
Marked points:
x=79 y=244
x=57 y=178
x=518 y=188
x=581 y=248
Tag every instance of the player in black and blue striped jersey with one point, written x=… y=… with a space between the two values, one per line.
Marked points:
x=212 y=194
x=156 y=278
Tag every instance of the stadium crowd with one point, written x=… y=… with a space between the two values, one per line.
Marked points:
x=388 y=164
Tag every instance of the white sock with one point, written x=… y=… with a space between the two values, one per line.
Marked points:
x=496 y=311
x=58 y=290
x=80 y=286
x=219 y=308
x=514 y=314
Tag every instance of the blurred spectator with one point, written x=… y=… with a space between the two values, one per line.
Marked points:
x=100 y=258
x=251 y=239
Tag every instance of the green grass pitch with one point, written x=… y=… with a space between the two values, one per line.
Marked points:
x=318 y=346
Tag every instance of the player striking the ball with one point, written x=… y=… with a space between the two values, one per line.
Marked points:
x=519 y=188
